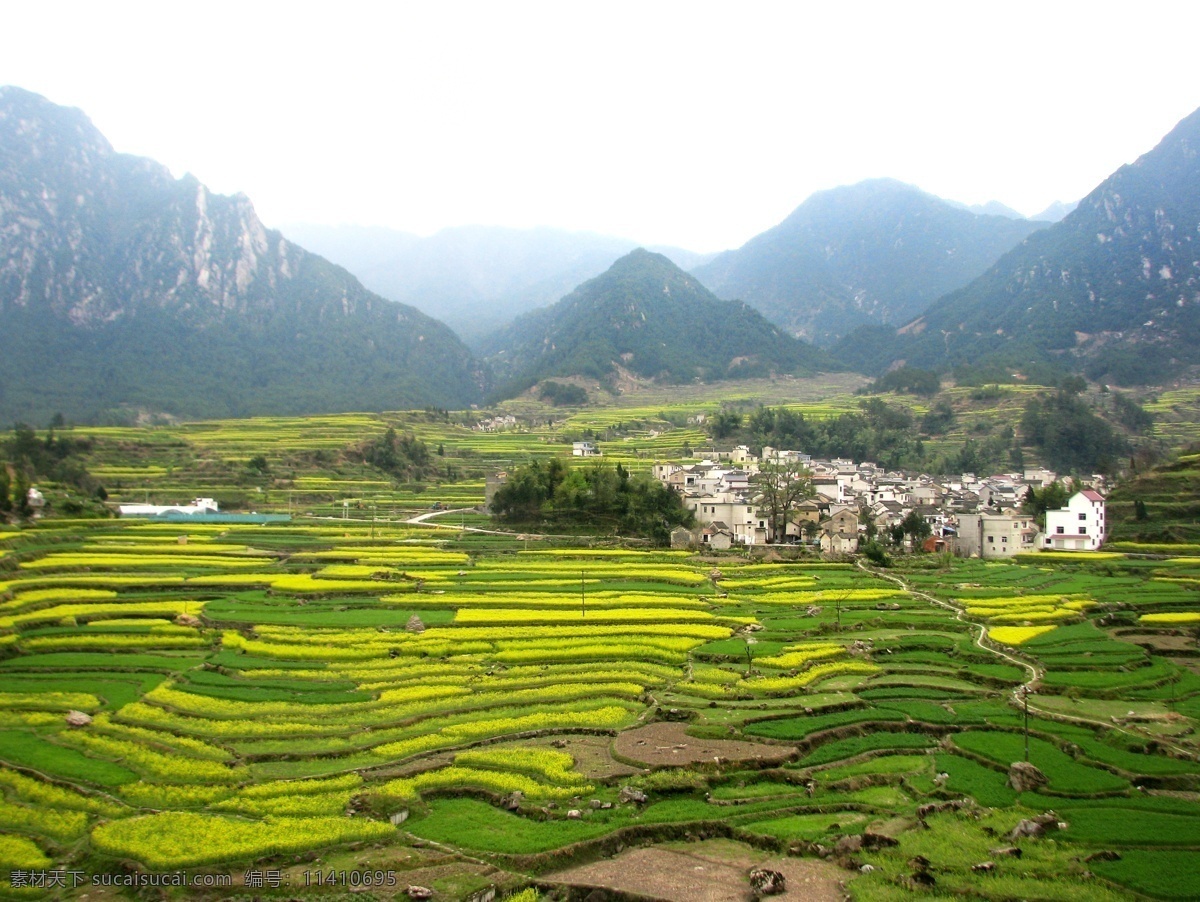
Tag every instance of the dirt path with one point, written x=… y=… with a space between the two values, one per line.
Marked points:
x=1035 y=669
x=668 y=743
x=711 y=871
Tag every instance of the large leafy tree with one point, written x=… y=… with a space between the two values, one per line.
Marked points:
x=780 y=485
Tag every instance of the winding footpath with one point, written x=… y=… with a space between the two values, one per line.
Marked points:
x=1034 y=668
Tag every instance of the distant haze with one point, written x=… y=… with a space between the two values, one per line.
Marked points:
x=686 y=124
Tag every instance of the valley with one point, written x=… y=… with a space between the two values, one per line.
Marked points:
x=391 y=689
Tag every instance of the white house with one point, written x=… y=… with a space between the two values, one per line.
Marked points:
x=198 y=506
x=1080 y=526
x=584 y=449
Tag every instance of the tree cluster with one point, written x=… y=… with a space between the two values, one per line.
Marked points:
x=1069 y=436
x=907 y=379
x=402 y=456
x=597 y=496
x=27 y=458
x=562 y=394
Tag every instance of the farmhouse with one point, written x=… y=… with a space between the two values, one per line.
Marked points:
x=995 y=535
x=1080 y=526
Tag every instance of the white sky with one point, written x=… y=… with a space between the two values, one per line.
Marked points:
x=697 y=124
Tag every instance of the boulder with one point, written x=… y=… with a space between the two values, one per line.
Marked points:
x=766 y=882
x=419 y=892
x=984 y=867
x=1037 y=826
x=574 y=814
x=1025 y=777
x=414 y=625
x=78 y=719
x=188 y=620
x=513 y=801
x=628 y=794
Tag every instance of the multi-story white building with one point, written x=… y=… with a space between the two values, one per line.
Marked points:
x=1080 y=526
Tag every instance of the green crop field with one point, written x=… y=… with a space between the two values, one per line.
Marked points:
x=361 y=689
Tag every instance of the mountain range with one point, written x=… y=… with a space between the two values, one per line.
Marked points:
x=876 y=252
x=476 y=279
x=1113 y=289
x=125 y=292
x=132 y=291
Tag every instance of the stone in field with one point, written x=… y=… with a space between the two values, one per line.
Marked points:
x=1025 y=777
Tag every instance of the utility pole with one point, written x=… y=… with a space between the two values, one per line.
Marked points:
x=1025 y=699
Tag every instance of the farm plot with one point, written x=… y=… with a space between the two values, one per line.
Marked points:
x=340 y=671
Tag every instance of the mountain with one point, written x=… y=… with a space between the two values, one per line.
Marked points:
x=131 y=291
x=876 y=252
x=1114 y=288
x=1056 y=212
x=991 y=208
x=475 y=278
x=648 y=318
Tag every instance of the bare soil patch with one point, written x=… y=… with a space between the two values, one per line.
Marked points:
x=668 y=743
x=710 y=871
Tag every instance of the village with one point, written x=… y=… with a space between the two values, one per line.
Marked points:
x=848 y=502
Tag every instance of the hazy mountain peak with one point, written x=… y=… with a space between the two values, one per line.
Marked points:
x=879 y=251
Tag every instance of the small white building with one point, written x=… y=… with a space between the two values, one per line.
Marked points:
x=584 y=449
x=1080 y=526
x=198 y=506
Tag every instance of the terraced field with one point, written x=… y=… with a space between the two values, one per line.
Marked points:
x=320 y=697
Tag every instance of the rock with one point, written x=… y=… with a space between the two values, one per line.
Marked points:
x=812 y=610
x=941 y=778
x=597 y=804
x=873 y=841
x=78 y=719
x=924 y=811
x=1025 y=777
x=399 y=818
x=414 y=625
x=559 y=743
x=1007 y=852
x=923 y=878
x=629 y=794
x=984 y=867
x=188 y=620
x=514 y=800
x=574 y=814
x=848 y=845
x=866 y=869
x=1037 y=826
x=1104 y=855
x=419 y=892
x=919 y=863
x=766 y=882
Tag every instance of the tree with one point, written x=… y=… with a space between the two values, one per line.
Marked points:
x=1052 y=497
x=781 y=485
x=916 y=527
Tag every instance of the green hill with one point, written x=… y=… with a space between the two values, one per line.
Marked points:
x=648 y=318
